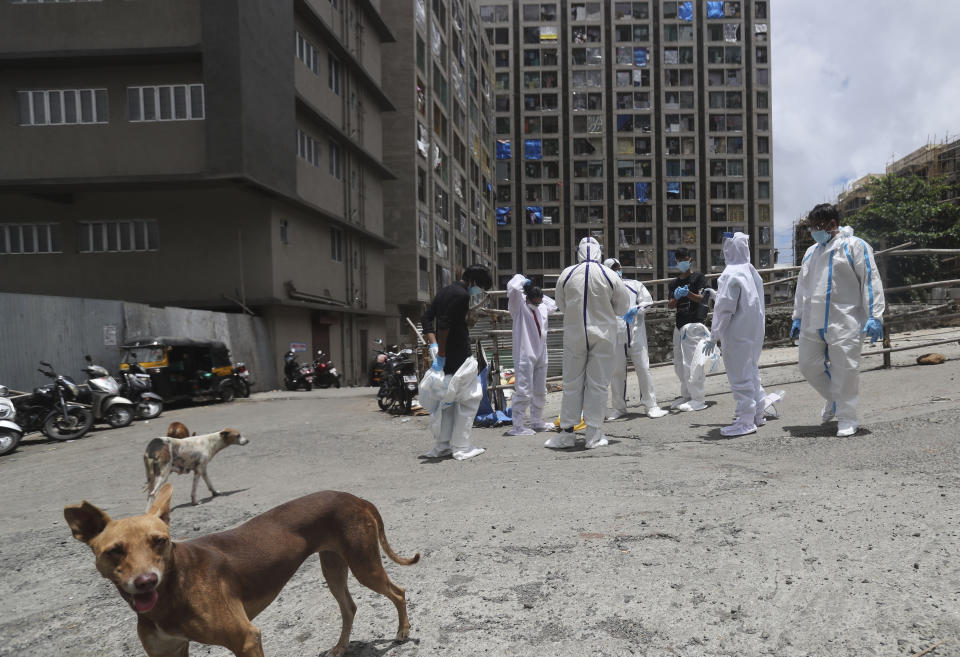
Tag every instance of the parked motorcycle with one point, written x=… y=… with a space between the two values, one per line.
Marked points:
x=10 y=431
x=295 y=375
x=53 y=408
x=102 y=394
x=324 y=373
x=400 y=385
x=242 y=380
x=136 y=384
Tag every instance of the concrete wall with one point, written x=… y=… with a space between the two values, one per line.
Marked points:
x=61 y=330
x=101 y=25
x=117 y=148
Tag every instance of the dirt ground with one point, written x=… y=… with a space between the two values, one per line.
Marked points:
x=671 y=541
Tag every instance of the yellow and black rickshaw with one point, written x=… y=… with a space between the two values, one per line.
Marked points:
x=184 y=369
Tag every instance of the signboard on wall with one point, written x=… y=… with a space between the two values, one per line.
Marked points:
x=298 y=346
x=109 y=335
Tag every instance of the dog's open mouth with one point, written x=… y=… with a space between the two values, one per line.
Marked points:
x=141 y=602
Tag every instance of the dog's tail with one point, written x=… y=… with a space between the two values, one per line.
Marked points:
x=148 y=466
x=383 y=540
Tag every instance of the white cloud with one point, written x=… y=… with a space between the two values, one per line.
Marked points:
x=856 y=84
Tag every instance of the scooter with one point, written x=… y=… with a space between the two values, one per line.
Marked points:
x=324 y=373
x=102 y=394
x=137 y=385
x=242 y=380
x=10 y=431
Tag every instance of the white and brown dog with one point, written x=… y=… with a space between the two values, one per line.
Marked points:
x=181 y=454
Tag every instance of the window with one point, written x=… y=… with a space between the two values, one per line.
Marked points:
x=421 y=54
x=421 y=185
x=29 y=238
x=179 y=102
x=763 y=167
x=307 y=53
x=308 y=148
x=335 y=73
x=763 y=190
x=763 y=144
x=335 y=160
x=63 y=107
x=336 y=245
x=119 y=236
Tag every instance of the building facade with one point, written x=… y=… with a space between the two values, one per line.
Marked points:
x=203 y=153
x=644 y=124
x=439 y=209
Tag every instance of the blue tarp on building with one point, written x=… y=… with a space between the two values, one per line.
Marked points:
x=624 y=122
x=503 y=216
x=533 y=149
x=639 y=56
x=673 y=189
x=685 y=11
x=643 y=192
x=503 y=149
x=535 y=214
x=714 y=9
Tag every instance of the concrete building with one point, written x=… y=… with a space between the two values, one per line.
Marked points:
x=203 y=153
x=644 y=124
x=439 y=209
x=856 y=195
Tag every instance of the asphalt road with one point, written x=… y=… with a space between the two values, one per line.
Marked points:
x=671 y=541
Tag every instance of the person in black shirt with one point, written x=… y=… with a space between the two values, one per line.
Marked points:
x=446 y=328
x=688 y=295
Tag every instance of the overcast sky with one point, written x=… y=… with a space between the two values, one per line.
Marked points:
x=856 y=84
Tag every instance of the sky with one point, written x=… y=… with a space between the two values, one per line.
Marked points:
x=856 y=84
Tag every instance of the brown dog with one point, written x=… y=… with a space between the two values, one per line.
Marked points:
x=209 y=589
x=181 y=454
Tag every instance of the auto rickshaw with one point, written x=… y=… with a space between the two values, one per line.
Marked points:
x=183 y=369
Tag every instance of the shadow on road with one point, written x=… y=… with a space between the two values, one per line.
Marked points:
x=210 y=498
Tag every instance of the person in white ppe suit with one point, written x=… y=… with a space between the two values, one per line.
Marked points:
x=839 y=297
x=689 y=294
x=592 y=298
x=632 y=343
x=739 y=323
x=529 y=309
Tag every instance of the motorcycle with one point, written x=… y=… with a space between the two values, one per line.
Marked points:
x=136 y=384
x=325 y=374
x=295 y=375
x=10 y=431
x=102 y=394
x=242 y=380
x=53 y=408
x=400 y=383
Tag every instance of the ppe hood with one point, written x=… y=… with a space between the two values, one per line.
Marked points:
x=736 y=249
x=589 y=250
x=610 y=262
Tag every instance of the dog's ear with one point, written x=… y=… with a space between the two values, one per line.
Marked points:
x=161 y=505
x=86 y=521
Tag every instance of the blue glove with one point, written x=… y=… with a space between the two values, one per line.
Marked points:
x=631 y=315
x=795 y=329
x=681 y=292
x=709 y=346
x=434 y=350
x=438 y=363
x=728 y=235
x=527 y=282
x=874 y=329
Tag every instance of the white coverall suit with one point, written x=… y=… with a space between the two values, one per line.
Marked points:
x=592 y=298
x=739 y=322
x=838 y=290
x=632 y=342
x=529 y=357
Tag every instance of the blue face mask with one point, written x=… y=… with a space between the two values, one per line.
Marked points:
x=820 y=236
x=475 y=290
x=683 y=265
x=620 y=273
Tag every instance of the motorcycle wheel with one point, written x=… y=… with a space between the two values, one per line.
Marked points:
x=244 y=389
x=308 y=386
x=78 y=422
x=384 y=399
x=336 y=383
x=324 y=384
x=407 y=404
x=9 y=440
x=227 y=393
x=119 y=415
x=149 y=409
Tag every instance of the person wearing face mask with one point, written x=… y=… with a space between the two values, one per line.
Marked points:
x=529 y=309
x=839 y=298
x=445 y=326
x=592 y=298
x=632 y=343
x=739 y=323
x=688 y=295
